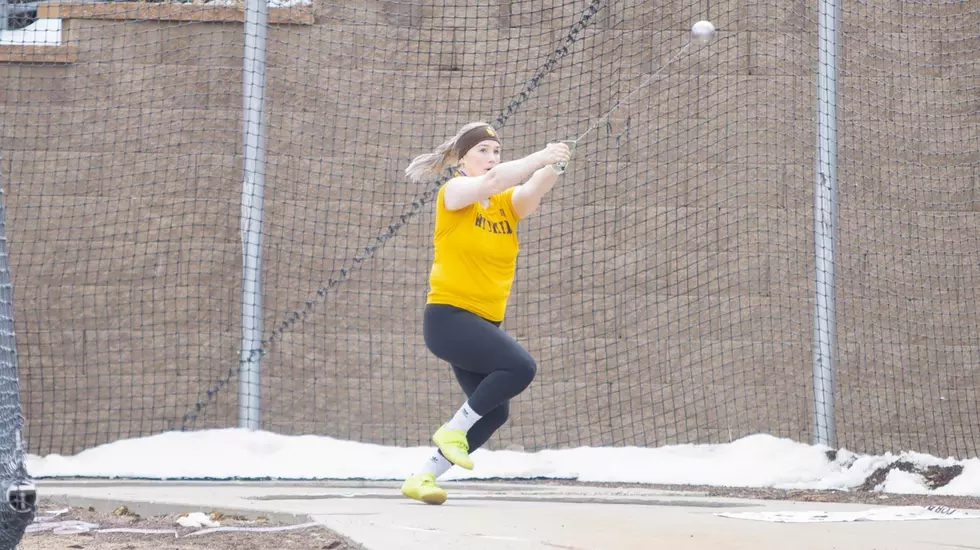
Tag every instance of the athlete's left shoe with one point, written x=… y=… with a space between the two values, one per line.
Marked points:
x=422 y=487
x=454 y=446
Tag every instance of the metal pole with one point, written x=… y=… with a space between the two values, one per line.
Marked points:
x=256 y=27
x=4 y=15
x=825 y=226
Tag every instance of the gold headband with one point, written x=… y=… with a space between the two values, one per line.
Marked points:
x=468 y=140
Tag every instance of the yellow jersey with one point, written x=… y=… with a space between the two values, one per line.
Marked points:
x=475 y=255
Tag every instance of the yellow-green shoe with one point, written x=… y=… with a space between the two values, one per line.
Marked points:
x=422 y=487
x=454 y=446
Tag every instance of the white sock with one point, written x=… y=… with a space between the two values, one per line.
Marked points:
x=436 y=465
x=463 y=419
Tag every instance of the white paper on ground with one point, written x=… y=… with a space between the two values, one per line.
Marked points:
x=71 y=527
x=890 y=513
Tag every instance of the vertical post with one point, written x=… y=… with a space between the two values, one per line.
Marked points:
x=825 y=226
x=256 y=28
x=4 y=15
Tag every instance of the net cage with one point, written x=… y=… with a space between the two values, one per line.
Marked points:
x=208 y=218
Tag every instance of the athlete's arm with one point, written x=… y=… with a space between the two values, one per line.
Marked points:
x=527 y=197
x=463 y=191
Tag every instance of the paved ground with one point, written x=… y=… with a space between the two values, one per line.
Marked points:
x=483 y=516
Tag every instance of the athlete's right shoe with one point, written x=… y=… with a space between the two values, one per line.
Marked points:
x=454 y=446
x=422 y=487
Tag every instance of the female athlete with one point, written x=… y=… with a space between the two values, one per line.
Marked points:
x=476 y=247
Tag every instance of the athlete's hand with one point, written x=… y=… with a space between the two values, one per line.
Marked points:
x=556 y=153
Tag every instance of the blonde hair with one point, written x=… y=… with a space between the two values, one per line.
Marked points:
x=429 y=165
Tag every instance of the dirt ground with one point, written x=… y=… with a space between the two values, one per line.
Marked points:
x=177 y=537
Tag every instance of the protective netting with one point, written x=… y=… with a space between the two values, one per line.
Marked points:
x=908 y=294
x=665 y=288
x=18 y=499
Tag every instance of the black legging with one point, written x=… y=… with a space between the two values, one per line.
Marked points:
x=489 y=364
